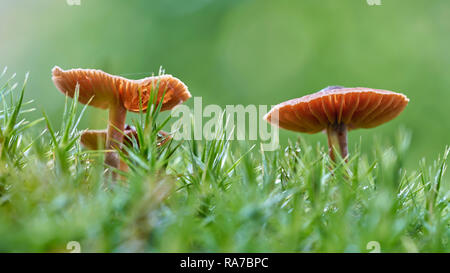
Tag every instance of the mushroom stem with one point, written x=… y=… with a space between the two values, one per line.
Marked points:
x=114 y=136
x=337 y=137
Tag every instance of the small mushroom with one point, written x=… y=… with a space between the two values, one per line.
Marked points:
x=118 y=95
x=337 y=109
x=96 y=139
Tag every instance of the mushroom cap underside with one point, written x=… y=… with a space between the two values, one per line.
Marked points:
x=356 y=107
x=102 y=90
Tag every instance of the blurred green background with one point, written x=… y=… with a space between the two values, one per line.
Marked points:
x=245 y=52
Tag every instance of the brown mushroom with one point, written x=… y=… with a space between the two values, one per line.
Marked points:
x=96 y=139
x=337 y=109
x=118 y=95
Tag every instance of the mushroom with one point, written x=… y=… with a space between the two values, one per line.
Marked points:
x=96 y=139
x=336 y=110
x=118 y=95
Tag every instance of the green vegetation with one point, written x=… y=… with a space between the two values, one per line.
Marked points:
x=245 y=51
x=209 y=196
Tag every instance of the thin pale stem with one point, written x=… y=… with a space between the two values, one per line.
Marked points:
x=337 y=140
x=114 y=136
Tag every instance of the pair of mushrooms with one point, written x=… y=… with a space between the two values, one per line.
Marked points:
x=336 y=110
x=118 y=95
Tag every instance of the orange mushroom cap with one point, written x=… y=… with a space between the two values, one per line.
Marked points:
x=358 y=107
x=106 y=89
